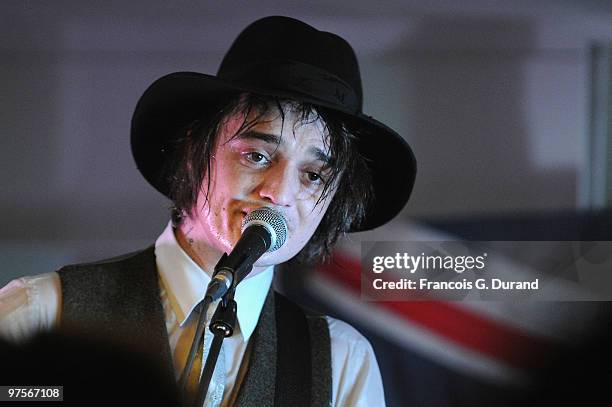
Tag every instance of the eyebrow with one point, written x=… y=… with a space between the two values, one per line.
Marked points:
x=277 y=140
x=320 y=155
x=265 y=137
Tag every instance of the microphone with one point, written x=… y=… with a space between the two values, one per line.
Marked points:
x=263 y=230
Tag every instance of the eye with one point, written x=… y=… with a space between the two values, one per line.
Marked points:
x=314 y=177
x=256 y=158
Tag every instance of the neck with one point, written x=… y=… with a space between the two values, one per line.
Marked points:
x=202 y=255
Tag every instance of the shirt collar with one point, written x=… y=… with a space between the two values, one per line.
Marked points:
x=186 y=282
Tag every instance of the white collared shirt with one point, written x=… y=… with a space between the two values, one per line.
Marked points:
x=32 y=304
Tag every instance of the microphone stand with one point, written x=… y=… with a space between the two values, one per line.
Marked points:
x=222 y=326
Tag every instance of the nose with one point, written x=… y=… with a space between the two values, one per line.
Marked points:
x=279 y=185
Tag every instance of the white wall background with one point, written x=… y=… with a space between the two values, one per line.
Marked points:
x=493 y=97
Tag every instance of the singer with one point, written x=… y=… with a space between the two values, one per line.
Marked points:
x=280 y=126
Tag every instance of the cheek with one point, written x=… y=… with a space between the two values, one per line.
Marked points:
x=220 y=185
x=231 y=179
x=311 y=218
x=212 y=198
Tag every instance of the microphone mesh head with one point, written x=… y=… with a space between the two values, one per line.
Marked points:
x=271 y=220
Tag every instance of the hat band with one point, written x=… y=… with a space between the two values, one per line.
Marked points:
x=296 y=77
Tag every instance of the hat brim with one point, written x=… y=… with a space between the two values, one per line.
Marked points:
x=177 y=99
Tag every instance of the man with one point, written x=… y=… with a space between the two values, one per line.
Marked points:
x=280 y=126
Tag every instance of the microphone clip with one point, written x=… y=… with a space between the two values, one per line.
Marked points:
x=222 y=280
x=224 y=318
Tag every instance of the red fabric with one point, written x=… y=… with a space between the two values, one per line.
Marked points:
x=505 y=343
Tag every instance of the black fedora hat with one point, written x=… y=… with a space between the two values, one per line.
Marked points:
x=283 y=57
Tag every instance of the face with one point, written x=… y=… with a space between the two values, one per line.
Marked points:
x=281 y=165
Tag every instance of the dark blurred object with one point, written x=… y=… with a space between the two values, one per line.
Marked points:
x=579 y=377
x=92 y=372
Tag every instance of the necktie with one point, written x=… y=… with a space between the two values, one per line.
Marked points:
x=214 y=397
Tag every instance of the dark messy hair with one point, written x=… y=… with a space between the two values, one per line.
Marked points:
x=191 y=162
